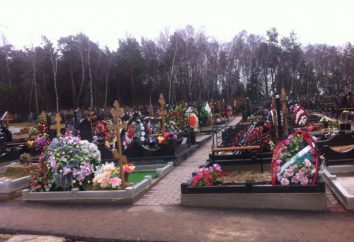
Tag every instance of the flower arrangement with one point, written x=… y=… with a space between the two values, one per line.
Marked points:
x=66 y=163
x=42 y=127
x=328 y=122
x=295 y=160
x=208 y=176
x=128 y=168
x=107 y=177
x=299 y=115
x=254 y=134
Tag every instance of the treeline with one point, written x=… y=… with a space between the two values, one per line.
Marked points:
x=185 y=65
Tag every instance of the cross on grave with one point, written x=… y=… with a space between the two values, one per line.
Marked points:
x=150 y=110
x=274 y=117
x=162 y=112
x=117 y=125
x=284 y=110
x=42 y=117
x=219 y=107
x=57 y=126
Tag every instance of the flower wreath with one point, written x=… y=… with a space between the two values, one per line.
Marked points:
x=295 y=160
x=136 y=128
x=299 y=115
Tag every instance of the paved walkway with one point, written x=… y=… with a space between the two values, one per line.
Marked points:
x=168 y=190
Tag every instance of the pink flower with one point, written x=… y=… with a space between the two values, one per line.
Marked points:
x=294 y=179
x=308 y=163
x=304 y=181
x=314 y=138
x=115 y=182
x=217 y=167
x=286 y=142
x=278 y=162
x=289 y=173
x=277 y=169
x=284 y=181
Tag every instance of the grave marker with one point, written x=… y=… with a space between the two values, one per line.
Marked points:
x=57 y=126
x=42 y=117
x=274 y=117
x=284 y=111
x=117 y=125
x=162 y=112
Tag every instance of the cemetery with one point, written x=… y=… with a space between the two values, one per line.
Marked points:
x=108 y=133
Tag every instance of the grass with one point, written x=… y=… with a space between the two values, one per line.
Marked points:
x=139 y=176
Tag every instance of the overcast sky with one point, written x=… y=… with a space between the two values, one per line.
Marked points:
x=104 y=21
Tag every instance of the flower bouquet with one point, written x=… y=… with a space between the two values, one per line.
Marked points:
x=66 y=163
x=107 y=176
x=208 y=176
x=295 y=160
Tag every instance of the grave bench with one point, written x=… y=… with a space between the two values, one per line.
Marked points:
x=335 y=157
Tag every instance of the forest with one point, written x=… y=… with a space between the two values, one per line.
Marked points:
x=184 y=65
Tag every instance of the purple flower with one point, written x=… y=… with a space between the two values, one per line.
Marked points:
x=53 y=162
x=217 y=167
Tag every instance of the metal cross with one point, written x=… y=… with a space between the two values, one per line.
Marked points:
x=57 y=126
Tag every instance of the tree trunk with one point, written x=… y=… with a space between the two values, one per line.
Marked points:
x=73 y=89
x=82 y=73
x=35 y=80
x=106 y=90
x=90 y=75
x=55 y=69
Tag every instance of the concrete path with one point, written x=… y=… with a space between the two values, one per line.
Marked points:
x=168 y=190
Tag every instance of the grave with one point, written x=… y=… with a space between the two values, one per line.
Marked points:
x=338 y=172
x=149 y=140
x=82 y=177
x=340 y=179
x=268 y=187
x=13 y=178
x=127 y=196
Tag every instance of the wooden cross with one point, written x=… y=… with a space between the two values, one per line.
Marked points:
x=117 y=125
x=162 y=112
x=57 y=126
x=150 y=110
x=43 y=117
x=275 y=119
x=284 y=110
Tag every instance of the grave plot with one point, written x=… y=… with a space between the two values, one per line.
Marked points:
x=242 y=143
x=13 y=178
x=71 y=170
x=24 y=139
x=168 y=136
x=290 y=182
x=338 y=172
